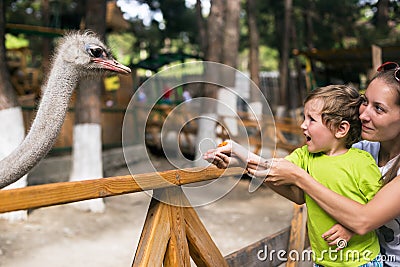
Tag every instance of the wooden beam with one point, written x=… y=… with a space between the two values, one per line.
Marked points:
x=177 y=253
x=67 y=192
x=258 y=254
x=32 y=29
x=376 y=53
x=297 y=233
x=155 y=236
x=186 y=235
x=202 y=248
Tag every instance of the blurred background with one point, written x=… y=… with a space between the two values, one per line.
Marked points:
x=286 y=47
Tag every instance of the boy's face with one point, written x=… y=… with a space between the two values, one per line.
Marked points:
x=319 y=138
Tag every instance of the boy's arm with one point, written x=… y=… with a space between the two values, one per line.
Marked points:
x=290 y=192
x=261 y=169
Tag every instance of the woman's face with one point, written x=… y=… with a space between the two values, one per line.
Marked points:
x=380 y=113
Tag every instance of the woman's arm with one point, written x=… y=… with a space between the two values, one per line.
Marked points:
x=234 y=154
x=360 y=218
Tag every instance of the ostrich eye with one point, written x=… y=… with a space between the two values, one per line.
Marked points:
x=95 y=51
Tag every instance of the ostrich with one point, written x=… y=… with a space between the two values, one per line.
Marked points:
x=77 y=55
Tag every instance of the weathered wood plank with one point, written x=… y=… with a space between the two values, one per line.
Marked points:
x=177 y=253
x=67 y=192
x=297 y=233
x=155 y=236
x=202 y=248
x=264 y=253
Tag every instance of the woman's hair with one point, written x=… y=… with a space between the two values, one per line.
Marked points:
x=389 y=79
x=340 y=103
x=392 y=172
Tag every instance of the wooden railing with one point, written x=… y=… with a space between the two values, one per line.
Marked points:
x=173 y=233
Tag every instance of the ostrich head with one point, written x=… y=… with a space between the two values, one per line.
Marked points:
x=77 y=55
x=86 y=52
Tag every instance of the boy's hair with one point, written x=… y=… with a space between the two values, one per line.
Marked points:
x=340 y=103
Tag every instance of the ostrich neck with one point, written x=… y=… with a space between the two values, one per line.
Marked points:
x=46 y=126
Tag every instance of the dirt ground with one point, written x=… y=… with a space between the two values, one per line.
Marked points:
x=63 y=236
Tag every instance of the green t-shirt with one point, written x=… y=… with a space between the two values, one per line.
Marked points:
x=353 y=174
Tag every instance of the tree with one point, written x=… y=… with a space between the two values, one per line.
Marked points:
x=222 y=47
x=87 y=144
x=215 y=23
x=201 y=24
x=11 y=118
x=284 y=63
x=254 y=66
x=178 y=24
x=230 y=40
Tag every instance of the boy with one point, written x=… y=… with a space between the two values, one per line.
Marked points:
x=331 y=125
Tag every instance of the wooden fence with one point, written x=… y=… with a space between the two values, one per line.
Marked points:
x=172 y=233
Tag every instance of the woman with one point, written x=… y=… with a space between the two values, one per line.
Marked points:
x=380 y=117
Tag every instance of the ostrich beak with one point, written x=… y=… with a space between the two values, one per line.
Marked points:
x=112 y=65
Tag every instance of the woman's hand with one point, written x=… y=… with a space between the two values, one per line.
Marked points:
x=261 y=168
x=284 y=172
x=338 y=236
x=258 y=168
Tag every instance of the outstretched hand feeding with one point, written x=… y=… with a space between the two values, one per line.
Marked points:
x=223 y=156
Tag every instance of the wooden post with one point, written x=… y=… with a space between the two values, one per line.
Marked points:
x=297 y=233
x=177 y=253
x=155 y=236
x=376 y=55
x=173 y=232
x=202 y=248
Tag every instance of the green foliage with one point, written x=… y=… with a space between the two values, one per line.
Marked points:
x=179 y=26
x=335 y=24
x=269 y=59
x=122 y=46
x=14 y=42
x=332 y=24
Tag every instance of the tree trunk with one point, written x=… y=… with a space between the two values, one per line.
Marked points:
x=254 y=65
x=215 y=26
x=46 y=40
x=12 y=132
x=231 y=33
x=284 y=68
x=382 y=16
x=308 y=17
x=201 y=24
x=301 y=90
x=230 y=47
x=8 y=97
x=87 y=144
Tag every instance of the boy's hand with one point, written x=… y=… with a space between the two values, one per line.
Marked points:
x=221 y=160
x=338 y=236
x=222 y=156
